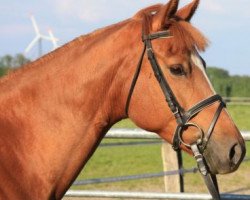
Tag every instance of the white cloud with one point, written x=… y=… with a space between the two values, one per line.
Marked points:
x=212 y=6
x=13 y=29
x=99 y=10
x=85 y=10
x=230 y=9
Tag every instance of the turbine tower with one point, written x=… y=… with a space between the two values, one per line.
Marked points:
x=39 y=37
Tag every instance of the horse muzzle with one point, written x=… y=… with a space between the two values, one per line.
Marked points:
x=223 y=158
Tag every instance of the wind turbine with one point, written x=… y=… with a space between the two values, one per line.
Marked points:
x=53 y=39
x=39 y=37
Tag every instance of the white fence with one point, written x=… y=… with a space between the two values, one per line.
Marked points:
x=141 y=134
x=237 y=100
x=148 y=195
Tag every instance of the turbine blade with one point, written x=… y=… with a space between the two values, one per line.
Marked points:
x=33 y=20
x=53 y=39
x=33 y=42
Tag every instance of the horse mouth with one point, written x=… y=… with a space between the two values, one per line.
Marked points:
x=217 y=169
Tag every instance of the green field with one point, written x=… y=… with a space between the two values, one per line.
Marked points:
x=130 y=160
x=241 y=116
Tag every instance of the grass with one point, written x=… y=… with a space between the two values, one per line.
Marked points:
x=130 y=160
x=122 y=161
x=241 y=116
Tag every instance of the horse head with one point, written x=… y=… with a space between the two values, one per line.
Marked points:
x=194 y=112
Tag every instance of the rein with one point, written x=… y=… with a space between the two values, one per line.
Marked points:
x=182 y=117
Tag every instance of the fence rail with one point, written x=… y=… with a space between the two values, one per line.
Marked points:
x=141 y=134
x=135 y=177
x=237 y=100
x=148 y=195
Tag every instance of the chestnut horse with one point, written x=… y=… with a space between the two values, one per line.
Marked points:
x=55 y=111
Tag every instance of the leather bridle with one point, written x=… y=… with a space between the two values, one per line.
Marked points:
x=182 y=117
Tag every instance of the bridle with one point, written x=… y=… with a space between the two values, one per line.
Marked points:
x=182 y=117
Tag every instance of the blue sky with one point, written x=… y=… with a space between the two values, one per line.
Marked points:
x=225 y=22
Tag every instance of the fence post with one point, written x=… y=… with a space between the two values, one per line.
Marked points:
x=172 y=161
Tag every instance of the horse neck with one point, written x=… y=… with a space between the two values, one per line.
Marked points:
x=105 y=69
x=92 y=73
x=66 y=104
x=113 y=60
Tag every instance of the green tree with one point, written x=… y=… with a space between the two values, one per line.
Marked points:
x=3 y=71
x=6 y=61
x=20 y=60
x=9 y=61
x=228 y=86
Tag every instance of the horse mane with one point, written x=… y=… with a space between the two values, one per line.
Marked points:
x=186 y=36
x=83 y=40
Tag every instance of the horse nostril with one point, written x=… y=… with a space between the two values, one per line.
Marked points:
x=232 y=153
x=235 y=154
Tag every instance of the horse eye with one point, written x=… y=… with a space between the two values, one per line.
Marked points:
x=177 y=70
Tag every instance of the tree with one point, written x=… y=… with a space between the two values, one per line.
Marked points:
x=3 y=71
x=228 y=86
x=6 y=61
x=20 y=60
x=9 y=61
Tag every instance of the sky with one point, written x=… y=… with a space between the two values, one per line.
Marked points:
x=225 y=22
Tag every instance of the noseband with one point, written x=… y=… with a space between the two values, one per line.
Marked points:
x=182 y=117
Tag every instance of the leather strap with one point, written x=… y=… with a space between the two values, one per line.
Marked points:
x=132 y=87
x=193 y=112
x=210 y=180
x=213 y=123
x=212 y=186
x=153 y=36
x=169 y=95
x=182 y=117
x=201 y=105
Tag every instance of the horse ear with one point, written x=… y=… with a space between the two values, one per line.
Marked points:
x=187 y=12
x=166 y=12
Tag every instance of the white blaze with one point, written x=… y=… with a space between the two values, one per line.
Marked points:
x=198 y=62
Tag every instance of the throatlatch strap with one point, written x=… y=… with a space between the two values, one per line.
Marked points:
x=133 y=83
